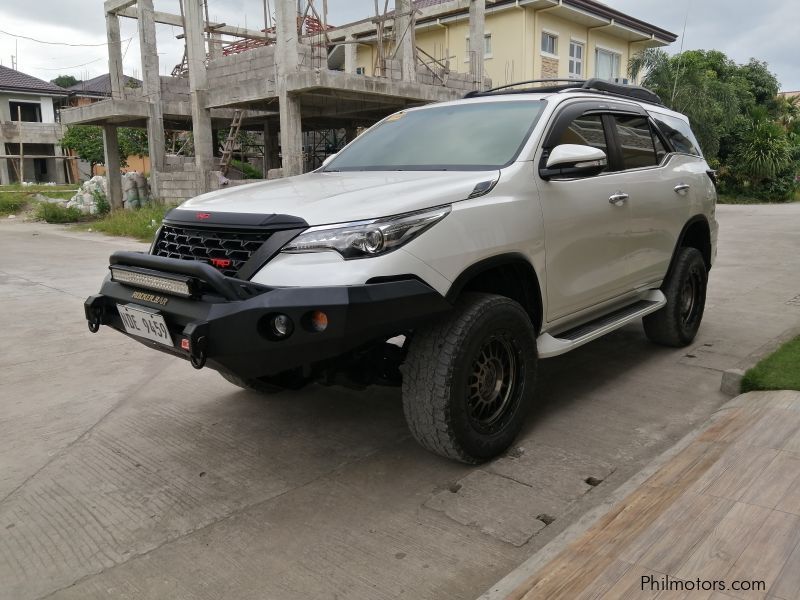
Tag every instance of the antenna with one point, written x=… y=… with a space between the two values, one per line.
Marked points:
x=680 y=58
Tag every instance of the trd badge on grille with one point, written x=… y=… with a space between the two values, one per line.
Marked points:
x=203 y=216
x=221 y=263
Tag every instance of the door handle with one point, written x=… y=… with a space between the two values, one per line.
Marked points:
x=618 y=199
x=681 y=188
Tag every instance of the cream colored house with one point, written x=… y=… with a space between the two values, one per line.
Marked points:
x=523 y=40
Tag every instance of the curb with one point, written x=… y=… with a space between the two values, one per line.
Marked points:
x=731 y=384
x=504 y=588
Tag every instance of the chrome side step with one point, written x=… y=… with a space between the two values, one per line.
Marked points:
x=578 y=336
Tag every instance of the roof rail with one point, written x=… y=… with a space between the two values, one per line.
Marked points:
x=600 y=86
x=569 y=84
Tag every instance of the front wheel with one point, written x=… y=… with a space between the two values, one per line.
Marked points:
x=468 y=381
x=677 y=323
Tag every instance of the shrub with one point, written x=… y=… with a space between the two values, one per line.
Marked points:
x=101 y=203
x=249 y=171
x=56 y=213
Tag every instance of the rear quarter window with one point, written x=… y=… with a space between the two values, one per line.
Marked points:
x=678 y=133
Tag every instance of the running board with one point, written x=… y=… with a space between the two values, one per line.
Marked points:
x=578 y=336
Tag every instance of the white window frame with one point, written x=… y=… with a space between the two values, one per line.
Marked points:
x=613 y=52
x=551 y=34
x=580 y=62
x=487 y=38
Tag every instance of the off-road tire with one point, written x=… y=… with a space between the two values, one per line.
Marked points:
x=442 y=395
x=677 y=323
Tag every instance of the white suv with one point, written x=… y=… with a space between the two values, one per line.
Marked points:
x=445 y=250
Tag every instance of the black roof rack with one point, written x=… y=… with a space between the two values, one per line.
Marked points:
x=597 y=86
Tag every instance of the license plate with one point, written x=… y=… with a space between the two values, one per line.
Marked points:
x=144 y=322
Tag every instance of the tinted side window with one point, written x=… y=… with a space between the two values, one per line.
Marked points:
x=636 y=142
x=586 y=130
x=678 y=133
x=661 y=151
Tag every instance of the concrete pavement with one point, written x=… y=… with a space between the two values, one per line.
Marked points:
x=127 y=474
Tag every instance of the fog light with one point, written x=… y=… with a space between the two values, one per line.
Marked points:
x=318 y=320
x=281 y=326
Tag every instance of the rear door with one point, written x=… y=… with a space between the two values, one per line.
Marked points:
x=660 y=194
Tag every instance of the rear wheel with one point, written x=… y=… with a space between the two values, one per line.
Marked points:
x=677 y=323
x=468 y=381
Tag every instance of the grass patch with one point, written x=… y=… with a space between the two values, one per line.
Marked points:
x=732 y=199
x=41 y=189
x=11 y=204
x=55 y=213
x=778 y=371
x=140 y=223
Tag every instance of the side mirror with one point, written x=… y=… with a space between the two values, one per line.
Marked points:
x=328 y=159
x=572 y=161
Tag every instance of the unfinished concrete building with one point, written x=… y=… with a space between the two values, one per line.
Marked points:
x=30 y=137
x=281 y=81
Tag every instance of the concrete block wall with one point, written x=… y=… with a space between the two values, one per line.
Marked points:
x=177 y=186
x=228 y=71
x=174 y=89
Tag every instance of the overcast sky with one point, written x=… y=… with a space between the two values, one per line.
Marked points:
x=767 y=30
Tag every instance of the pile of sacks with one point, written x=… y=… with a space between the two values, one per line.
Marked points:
x=135 y=193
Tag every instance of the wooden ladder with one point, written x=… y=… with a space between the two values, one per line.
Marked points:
x=227 y=148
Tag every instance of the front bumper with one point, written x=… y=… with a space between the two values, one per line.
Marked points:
x=223 y=326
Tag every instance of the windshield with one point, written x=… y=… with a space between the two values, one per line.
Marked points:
x=460 y=137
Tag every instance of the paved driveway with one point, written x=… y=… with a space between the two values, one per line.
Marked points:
x=127 y=474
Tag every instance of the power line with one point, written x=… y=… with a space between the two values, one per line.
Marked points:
x=67 y=68
x=30 y=39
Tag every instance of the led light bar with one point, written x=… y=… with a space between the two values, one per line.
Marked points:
x=175 y=285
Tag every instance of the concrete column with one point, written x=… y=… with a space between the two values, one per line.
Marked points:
x=287 y=61
x=291 y=133
x=4 y=178
x=215 y=46
x=405 y=38
x=350 y=55
x=287 y=45
x=114 y=55
x=271 y=147
x=477 y=47
x=198 y=89
x=151 y=91
x=113 y=176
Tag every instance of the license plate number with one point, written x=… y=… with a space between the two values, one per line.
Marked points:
x=142 y=322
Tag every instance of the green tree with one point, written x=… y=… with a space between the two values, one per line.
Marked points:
x=65 y=81
x=87 y=142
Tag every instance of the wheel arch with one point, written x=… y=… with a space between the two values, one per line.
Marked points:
x=696 y=233
x=511 y=275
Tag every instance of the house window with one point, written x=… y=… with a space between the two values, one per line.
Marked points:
x=28 y=111
x=487 y=47
x=575 y=60
x=361 y=71
x=549 y=43
x=607 y=64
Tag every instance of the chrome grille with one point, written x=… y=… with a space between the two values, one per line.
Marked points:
x=197 y=243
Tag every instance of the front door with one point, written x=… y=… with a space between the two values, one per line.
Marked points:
x=587 y=228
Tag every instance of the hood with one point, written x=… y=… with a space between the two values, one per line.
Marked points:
x=323 y=198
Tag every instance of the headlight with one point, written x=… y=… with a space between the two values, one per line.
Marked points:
x=367 y=238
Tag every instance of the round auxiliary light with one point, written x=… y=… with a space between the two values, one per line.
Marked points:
x=319 y=321
x=281 y=326
x=373 y=241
